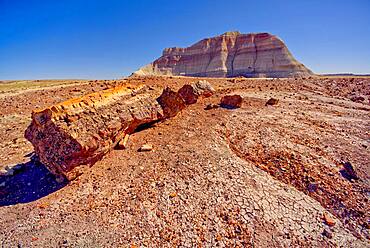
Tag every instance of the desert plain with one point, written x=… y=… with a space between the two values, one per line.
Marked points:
x=291 y=174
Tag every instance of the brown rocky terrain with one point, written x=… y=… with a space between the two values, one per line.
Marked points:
x=231 y=54
x=294 y=172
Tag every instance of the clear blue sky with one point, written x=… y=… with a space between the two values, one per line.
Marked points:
x=110 y=39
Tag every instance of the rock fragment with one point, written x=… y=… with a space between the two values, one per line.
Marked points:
x=104 y=118
x=146 y=148
x=203 y=88
x=231 y=101
x=122 y=144
x=272 y=101
x=349 y=172
x=327 y=233
x=312 y=187
x=211 y=106
x=190 y=93
x=328 y=220
x=171 y=102
x=357 y=98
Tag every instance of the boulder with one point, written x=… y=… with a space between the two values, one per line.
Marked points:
x=190 y=93
x=203 y=88
x=171 y=102
x=231 y=101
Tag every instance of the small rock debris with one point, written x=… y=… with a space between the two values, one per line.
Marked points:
x=272 y=101
x=328 y=220
x=146 y=148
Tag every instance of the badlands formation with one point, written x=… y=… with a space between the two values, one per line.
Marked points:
x=231 y=54
x=175 y=161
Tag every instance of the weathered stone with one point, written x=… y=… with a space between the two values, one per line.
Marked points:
x=146 y=148
x=327 y=233
x=81 y=131
x=188 y=93
x=211 y=106
x=203 y=88
x=272 y=101
x=171 y=102
x=357 y=98
x=328 y=220
x=312 y=187
x=231 y=101
x=122 y=144
x=231 y=54
x=348 y=171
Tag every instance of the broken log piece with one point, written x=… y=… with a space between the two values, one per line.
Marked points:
x=231 y=101
x=122 y=144
x=272 y=101
x=81 y=131
x=203 y=88
x=171 y=102
x=146 y=148
x=190 y=93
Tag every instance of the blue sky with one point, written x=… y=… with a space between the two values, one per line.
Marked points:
x=110 y=39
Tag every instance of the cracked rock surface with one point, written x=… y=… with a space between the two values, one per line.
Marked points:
x=256 y=176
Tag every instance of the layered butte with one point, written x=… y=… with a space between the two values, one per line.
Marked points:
x=231 y=54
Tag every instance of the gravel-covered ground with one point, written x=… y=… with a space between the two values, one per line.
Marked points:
x=257 y=176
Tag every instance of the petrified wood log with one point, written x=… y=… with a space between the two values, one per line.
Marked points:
x=191 y=92
x=82 y=130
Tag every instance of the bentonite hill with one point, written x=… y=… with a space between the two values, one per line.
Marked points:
x=219 y=162
x=231 y=54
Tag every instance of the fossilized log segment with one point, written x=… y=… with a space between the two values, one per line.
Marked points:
x=171 y=102
x=80 y=131
x=190 y=93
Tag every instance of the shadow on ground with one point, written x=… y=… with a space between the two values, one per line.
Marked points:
x=33 y=181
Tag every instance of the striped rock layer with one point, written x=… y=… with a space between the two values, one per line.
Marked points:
x=231 y=54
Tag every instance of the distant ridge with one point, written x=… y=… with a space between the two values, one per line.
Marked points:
x=346 y=75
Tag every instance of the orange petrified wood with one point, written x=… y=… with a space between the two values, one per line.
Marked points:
x=82 y=130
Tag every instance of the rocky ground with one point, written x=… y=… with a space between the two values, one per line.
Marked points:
x=293 y=174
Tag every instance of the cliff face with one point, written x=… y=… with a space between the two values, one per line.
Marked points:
x=229 y=55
